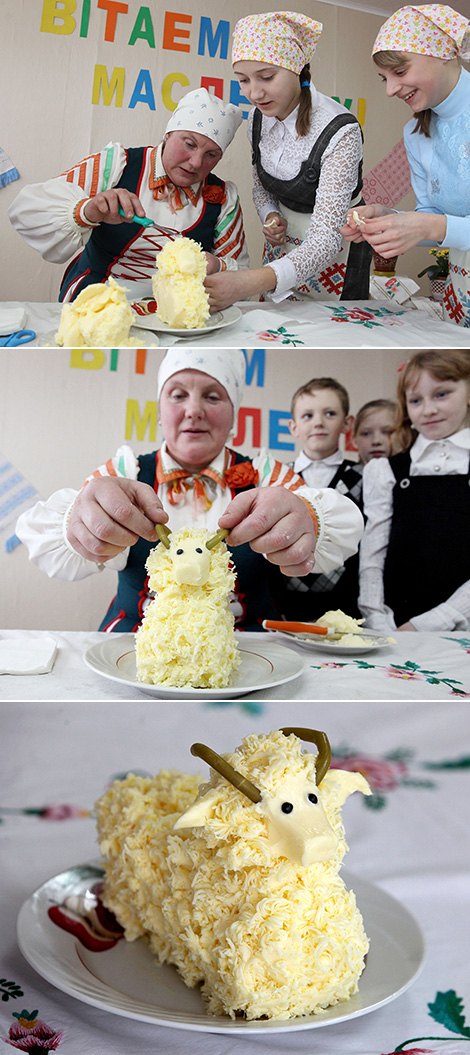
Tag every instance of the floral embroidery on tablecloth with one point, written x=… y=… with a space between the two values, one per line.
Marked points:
x=464 y=642
x=33 y=1035
x=9 y=990
x=367 y=316
x=447 y=1011
x=408 y=671
x=280 y=336
x=61 y=811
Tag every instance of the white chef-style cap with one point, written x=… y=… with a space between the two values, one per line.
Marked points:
x=199 y=111
x=227 y=366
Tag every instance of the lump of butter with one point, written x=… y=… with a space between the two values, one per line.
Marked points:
x=343 y=624
x=178 y=285
x=100 y=317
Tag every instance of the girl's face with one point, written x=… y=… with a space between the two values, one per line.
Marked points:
x=275 y=91
x=196 y=415
x=422 y=81
x=372 y=438
x=437 y=409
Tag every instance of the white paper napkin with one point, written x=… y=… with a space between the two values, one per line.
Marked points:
x=11 y=320
x=28 y=656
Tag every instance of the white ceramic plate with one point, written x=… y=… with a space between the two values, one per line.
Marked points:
x=316 y=643
x=127 y=981
x=149 y=340
x=217 y=322
x=263 y=664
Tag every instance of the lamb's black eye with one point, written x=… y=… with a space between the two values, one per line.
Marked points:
x=179 y=552
x=198 y=549
x=287 y=807
x=312 y=797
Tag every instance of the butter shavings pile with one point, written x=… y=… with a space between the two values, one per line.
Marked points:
x=100 y=317
x=178 y=285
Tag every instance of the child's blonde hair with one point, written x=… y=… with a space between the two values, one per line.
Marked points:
x=322 y=383
x=450 y=364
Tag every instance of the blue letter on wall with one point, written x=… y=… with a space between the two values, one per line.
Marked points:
x=221 y=37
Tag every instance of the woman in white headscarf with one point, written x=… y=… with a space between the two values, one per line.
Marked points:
x=171 y=184
x=418 y=52
x=307 y=169
x=194 y=478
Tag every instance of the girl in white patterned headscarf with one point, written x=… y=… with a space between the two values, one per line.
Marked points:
x=418 y=52
x=307 y=168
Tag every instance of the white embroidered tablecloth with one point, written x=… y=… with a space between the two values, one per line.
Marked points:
x=303 y=324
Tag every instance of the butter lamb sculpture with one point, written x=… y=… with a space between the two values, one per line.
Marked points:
x=187 y=636
x=239 y=887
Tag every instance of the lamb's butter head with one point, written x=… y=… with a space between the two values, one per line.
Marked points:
x=191 y=562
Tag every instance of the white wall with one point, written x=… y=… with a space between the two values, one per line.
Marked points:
x=61 y=421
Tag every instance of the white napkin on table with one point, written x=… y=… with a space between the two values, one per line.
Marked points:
x=28 y=656
x=11 y=320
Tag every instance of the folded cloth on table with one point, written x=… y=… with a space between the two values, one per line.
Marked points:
x=11 y=319
x=33 y=656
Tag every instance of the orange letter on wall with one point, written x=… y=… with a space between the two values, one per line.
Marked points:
x=113 y=8
x=171 y=30
x=62 y=10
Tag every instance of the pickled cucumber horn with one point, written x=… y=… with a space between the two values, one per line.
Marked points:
x=226 y=770
x=163 y=533
x=211 y=542
x=320 y=739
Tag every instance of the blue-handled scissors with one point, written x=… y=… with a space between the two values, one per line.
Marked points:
x=14 y=339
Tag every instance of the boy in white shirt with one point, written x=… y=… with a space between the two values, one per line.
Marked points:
x=320 y=416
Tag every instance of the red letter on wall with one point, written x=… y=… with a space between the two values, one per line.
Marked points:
x=243 y=414
x=214 y=83
x=172 y=30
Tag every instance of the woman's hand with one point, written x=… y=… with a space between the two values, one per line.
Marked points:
x=407 y=626
x=355 y=227
x=104 y=207
x=398 y=231
x=274 y=228
x=213 y=264
x=228 y=286
x=276 y=522
x=110 y=514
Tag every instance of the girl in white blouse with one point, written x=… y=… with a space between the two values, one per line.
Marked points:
x=415 y=556
x=307 y=169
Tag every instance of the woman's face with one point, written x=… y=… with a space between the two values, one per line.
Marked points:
x=188 y=157
x=196 y=415
x=372 y=438
x=436 y=408
x=422 y=81
x=275 y=91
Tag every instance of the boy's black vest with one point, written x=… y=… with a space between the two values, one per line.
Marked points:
x=109 y=242
x=309 y=597
x=125 y=612
x=299 y=194
x=428 y=555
